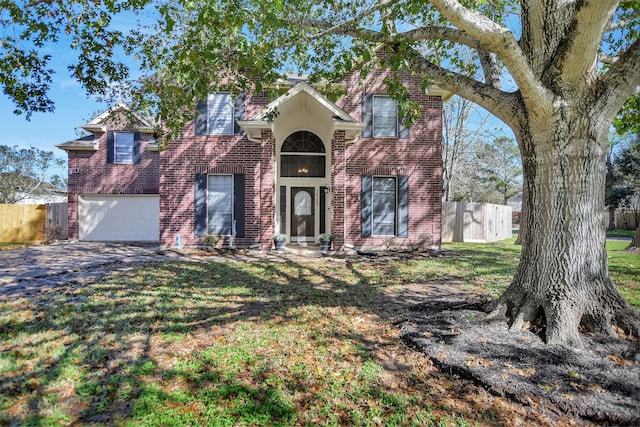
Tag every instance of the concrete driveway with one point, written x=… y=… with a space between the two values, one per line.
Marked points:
x=29 y=269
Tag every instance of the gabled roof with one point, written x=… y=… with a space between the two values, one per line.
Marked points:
x=293 y=92
x=88 y=142
x=98 y=123
x=264 y=117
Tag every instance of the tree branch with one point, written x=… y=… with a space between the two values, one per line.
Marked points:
x=607 y=59
x=502 y=42
x=619 y=82
x=504 y=105
x=490 y=68
x=624 y=22
x=340 y=28
x=590 y=23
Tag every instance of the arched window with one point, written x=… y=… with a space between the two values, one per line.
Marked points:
x=303 y=155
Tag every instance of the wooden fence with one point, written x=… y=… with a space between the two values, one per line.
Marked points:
x=33 y=223
x=627 y=219
x=475 y=222
x=57 y=221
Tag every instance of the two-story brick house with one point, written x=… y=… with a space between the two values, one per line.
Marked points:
x=250 y=167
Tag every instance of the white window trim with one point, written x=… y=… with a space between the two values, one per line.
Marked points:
x=395 y=216
x=233 y=189
x=115 y=148
x=373 y=118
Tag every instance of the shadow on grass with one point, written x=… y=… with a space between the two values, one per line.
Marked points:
x=191 y=343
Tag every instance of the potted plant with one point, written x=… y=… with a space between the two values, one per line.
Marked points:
x=279 y=241
x=325 y=242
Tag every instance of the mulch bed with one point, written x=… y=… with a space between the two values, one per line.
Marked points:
x=600 y=383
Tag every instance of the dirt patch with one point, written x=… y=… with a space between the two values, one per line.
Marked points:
x=600 y=383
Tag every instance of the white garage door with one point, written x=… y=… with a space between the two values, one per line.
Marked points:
x=130 y=218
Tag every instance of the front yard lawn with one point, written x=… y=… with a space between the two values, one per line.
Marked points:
x=204 y=343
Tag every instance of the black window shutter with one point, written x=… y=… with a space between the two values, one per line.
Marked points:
x=201 y=118
x=136 y=147
x=405 y=130
x=110 y=146
x=238 y=112
x=323 y=209
x=200 y=204
x=367 y=115
x=403 y=206
x=366 y=205
x=238 y=203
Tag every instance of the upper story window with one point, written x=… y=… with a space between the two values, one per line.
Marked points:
x=218 y=115
x=385 y=117
x=381 y=118
x=123 y=147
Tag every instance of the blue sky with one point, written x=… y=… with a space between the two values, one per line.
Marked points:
x=44 y=130
x=73 y=107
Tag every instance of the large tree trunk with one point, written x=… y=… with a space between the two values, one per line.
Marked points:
x=523 y=214
x=612 y=218
x=563 y=279
x=635 y=242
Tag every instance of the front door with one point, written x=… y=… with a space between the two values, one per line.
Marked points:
x=302 y=214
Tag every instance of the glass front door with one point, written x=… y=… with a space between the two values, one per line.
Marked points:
x=302 y=214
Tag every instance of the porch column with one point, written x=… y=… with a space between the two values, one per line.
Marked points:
x=338 y=181
x=267 y=190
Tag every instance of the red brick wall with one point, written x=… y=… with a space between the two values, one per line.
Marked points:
x=216 y=154
x=419 y=157
x=338 y=190
x=96 y=176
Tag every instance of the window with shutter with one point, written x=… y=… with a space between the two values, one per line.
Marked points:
x=385 y=210
x=124 y=147
x=219 y=114
x=219 y=205
x=385 y=117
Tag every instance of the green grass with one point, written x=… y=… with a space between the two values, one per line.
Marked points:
x=252 y=344
x=624 y=268
x=7 y=246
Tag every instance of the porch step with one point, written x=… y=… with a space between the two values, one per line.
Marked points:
x=310 y=251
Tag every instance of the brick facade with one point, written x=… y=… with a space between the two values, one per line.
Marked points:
x=171 y=173
x=419 y=157
x=89 y=173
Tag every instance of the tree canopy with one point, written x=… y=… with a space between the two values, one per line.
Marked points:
x=23 y=172
x=195 y=46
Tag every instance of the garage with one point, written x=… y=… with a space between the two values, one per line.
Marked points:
x=121 y=218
